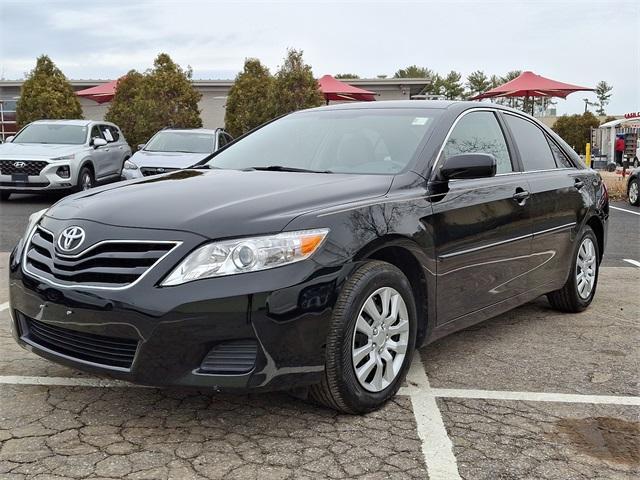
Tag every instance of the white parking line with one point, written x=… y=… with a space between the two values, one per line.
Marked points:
x=624 y=210
x=64 y=381
x=536 y=396
x=436 y=444
x=4 y=306
x=632 y=262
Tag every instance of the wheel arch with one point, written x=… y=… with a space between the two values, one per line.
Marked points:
x=405 y=254
x=598 y=228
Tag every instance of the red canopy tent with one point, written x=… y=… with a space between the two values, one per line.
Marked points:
x=100 y=93
x=528 y=84
x=333 y=89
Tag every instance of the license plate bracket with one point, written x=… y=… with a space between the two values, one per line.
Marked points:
x=19 y=178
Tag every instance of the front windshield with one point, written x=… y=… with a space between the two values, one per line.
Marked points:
x=363 y=141
x=189 y=142
x=52 y=133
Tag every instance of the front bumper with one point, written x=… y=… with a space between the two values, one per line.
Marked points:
x=285 y=311
x=47 y=180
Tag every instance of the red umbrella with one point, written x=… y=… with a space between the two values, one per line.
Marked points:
x=528 y=84
x=333 y=89
x=101 y=93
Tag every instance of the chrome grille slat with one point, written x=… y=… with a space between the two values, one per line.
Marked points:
x=107 y=264
x=31 y=167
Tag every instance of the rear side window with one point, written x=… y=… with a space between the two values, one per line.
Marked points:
x=562 y=161
x=107 y=133
x=479 y=132
x=533 y=146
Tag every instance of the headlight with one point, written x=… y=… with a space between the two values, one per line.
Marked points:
x=66 y=157
x=34 y=218
x=129 y=165
x=242 y=255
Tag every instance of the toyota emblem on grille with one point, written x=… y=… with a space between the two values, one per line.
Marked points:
x=19 y=164
x=70 y=238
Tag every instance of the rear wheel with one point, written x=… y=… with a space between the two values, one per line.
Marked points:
x=577 y=293
x=636 y=163
x=632 y=193
x=371 y=340
x=4 y=196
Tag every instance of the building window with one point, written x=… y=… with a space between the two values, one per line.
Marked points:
x=8 y=124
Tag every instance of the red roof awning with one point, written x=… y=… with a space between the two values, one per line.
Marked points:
x=333 y=89
x=528 y=84
x=100 y=93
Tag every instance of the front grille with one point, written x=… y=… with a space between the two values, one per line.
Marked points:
x=100 y=349
x=147 y=171
x=31 y=167
x=230 y=358
x=109 y=264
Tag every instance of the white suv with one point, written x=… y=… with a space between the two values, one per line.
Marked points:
x=49 y=155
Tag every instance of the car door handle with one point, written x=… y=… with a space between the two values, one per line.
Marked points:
x=521 y=196
x=578 y=184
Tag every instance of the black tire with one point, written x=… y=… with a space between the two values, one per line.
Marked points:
x=636 y=163
x=633 y=191
x=567 y=299
x=611 y=167
x=4 y=196
x=340 y=388
x=85 y=172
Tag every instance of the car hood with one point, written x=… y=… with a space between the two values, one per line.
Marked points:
x=40 y=150
x=143 y=158
x=218 y=203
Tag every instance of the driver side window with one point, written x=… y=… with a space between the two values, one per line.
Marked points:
x=479 y=132
x=95 y=133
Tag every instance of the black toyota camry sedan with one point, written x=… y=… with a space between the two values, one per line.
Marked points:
x=314 y=254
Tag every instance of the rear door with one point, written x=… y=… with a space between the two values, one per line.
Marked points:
x=482 y=227
x=557 y=202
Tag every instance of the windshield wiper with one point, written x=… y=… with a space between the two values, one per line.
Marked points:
x=282 y=168
x=204 y=166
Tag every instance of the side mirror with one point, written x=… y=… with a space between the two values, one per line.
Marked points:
x=141 y=146
x=98 y=142
x=9 y=139
x=468 y=165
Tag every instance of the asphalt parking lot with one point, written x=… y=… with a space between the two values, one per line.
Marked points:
x=531 y=394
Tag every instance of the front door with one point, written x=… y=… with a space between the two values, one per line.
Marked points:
x=482 y=227
x=100 y=155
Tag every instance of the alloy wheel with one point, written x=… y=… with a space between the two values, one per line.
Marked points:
x=586 y=268
x=380 y=339
x=86 y=181
x=633 y=192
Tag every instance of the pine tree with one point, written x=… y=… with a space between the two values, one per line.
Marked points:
x=46 y=94
x=248 y=104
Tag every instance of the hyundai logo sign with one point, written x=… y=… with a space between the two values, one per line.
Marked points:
x=19 y=164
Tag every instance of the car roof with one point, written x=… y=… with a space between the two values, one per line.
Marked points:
x=457 y=105
x=192 y=130
x=82 y=123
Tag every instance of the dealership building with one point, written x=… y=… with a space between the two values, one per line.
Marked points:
x=212 y=105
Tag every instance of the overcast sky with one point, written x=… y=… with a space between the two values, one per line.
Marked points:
x=578 y=42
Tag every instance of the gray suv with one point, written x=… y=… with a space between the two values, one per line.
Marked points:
x=52 y=155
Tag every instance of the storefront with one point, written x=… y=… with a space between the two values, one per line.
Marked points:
x=603 y=139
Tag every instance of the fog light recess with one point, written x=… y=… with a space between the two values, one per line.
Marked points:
x=230 y=358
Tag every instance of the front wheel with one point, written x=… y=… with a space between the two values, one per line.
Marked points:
x=371 y=340
x=634 y=196
x=85 y=180
x=577 y=293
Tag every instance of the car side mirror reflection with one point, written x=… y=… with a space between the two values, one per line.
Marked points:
x=9 y=139
x=98 y=142
x=468 y=165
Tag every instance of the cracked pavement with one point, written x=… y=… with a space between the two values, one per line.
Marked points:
x=63 y=432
